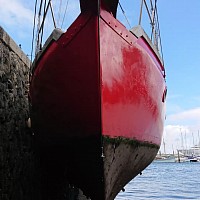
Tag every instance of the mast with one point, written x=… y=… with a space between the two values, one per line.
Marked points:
x=173 y=149
x=193 y=138
x=182 y=145
x=164 y=146
x=186 y=147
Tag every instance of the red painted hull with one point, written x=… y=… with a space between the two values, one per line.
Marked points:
x=132 y=85
x=100 y=90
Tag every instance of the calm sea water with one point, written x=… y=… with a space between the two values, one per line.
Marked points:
x=167 y=181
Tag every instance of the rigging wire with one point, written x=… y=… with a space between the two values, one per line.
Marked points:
x=65 y=13
x=140 y=17
x=44 y=17
x=145 y=3
x=156 y=30
x=52 y=13
x=59 y=12
x=33 y=36
x=41 y=37
x=151 y=3
x=154 y=21
x=153 y=10
x=124 y=14
x=158 y=27
x=41 y=26
x=38 y=29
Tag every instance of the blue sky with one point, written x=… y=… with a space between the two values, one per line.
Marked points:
x=179 y=21
x=180 y=32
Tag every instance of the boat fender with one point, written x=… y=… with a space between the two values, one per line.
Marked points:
x=28 y=123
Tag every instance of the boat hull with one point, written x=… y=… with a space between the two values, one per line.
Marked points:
x=96 y=99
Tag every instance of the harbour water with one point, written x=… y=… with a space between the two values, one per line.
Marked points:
x=165 y=181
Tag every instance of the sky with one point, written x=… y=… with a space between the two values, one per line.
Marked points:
x=180 y=33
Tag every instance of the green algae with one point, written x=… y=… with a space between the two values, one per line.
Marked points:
x=133 y=142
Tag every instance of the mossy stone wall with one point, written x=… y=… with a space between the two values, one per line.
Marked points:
x=22 y=170
x=17 y=159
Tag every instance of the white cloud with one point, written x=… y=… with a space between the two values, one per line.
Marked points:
x=16 y=17
x=181 y=130
x=189 y=117
x=14 y=13
x=20 y=13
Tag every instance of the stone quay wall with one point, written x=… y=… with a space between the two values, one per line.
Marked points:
x=22 y=174
x=17 y=165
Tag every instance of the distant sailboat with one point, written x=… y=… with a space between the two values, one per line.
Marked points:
x=164 y=157
x=191 y=154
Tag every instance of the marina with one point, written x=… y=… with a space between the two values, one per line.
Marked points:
x=183 y=154
x=176 y=158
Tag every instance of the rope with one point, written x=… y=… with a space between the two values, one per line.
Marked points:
x=158 y=28
x=38 y=28
x=44 y=16
x=145 y=3
x=41 y=37
x=124 y=14
x=59 y=12
x=54 y=21
x=152 y=13
x=33 y=36
x=140 y=17
x=65 y=13
x=153 y=18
